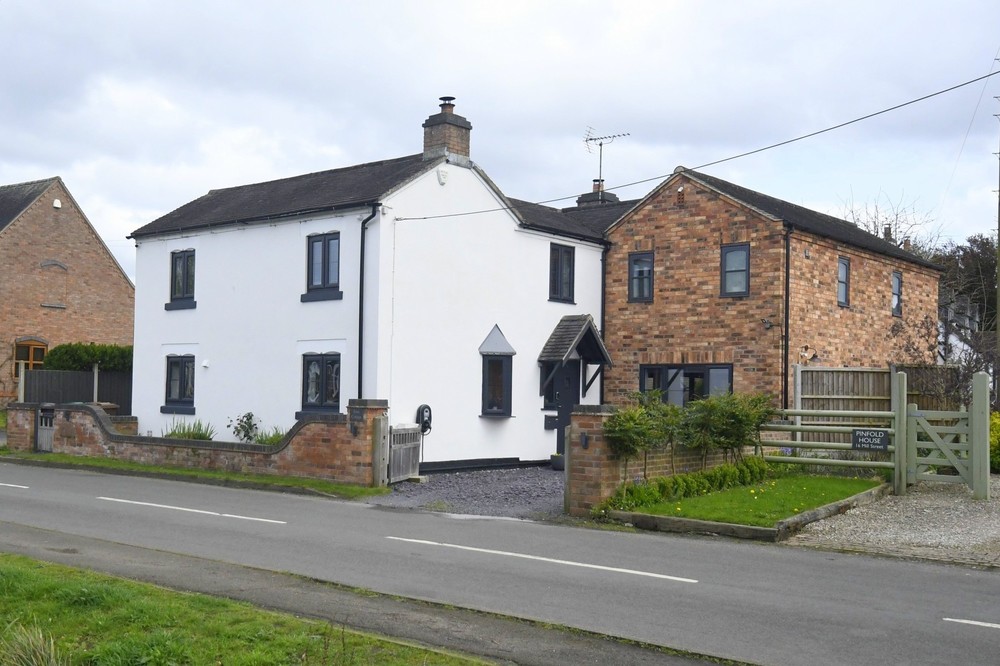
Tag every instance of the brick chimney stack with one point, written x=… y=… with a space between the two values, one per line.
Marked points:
x=447 y=134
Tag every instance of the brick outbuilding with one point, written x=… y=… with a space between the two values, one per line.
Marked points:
x=59 y=283
x=712 y=287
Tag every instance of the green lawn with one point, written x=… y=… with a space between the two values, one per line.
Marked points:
x=341 y=490
x=94 y=619
x=765 y=503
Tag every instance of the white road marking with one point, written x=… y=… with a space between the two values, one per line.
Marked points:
x=988 y=625
x=11 y=485
x=202 y=511
x=546 y=559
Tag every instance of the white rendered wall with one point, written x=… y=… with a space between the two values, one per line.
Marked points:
x=443 y=287
x=249 y=329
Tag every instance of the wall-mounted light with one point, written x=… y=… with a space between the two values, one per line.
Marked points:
x=768 y=324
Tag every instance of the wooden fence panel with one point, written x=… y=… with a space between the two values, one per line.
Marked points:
x=62 y=386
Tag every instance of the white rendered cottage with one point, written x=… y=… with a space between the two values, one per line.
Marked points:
x=413 y=280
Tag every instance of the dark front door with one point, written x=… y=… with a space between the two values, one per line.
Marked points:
x=567 y=381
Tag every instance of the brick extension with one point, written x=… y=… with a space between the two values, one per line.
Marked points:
x=58 y=281
x=338 y=447
x=688 y=322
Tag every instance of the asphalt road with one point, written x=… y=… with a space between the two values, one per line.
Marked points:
x=745 y=601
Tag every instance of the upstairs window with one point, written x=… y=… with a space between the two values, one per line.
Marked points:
x=323 y=268
x=180 y=385
x=640 y=277
x=561 y=273
x=843 y=282
x=181 y=280
x=735 y=270
x=897 y=294
x=29 y=352
x=321 y=382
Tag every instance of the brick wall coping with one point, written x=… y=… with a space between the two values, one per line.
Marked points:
x=106 y=425
x=594 y=409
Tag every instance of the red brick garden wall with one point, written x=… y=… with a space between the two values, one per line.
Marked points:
x=593 y=474
x=338 y=447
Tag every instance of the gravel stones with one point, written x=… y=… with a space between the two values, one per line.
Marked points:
x=525 y=492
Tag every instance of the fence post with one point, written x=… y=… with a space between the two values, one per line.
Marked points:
x=95 y=382
x=899 y=440
x=979 y=445
x=797 y=401
x=20 y=381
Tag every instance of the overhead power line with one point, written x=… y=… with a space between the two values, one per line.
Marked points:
x=734 y=157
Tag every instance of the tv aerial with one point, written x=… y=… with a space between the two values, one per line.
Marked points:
x=589 y=140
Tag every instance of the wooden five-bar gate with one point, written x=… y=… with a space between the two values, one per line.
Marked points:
x=923 y=444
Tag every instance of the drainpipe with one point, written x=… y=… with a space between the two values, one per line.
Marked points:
x=604 y=283
x=784 y=329
x=361 y=302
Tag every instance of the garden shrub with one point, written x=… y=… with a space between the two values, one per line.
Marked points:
x=193 y=430
x=83 y=356
x=630 y=496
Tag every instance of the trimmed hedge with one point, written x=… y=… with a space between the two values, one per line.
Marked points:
x=83 y=356
x=630 y=496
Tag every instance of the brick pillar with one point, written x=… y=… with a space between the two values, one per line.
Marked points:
x=361 y=417
x=21 y=426
x=592 y=475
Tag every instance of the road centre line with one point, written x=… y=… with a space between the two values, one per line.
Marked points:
x=538 y=558
x=12 y=485
x=202 y=511
x=988 y=625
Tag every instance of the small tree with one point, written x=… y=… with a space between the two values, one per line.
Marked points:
x=629 y=432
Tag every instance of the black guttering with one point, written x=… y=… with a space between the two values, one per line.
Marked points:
x=252 y=220
x=361 y=299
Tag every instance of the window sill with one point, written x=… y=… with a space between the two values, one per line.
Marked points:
x=320 y=414
x=329 y=294
x=496 y=416
x=181 y=304
x=177 y=409
x=567 y=301
x=54 y=306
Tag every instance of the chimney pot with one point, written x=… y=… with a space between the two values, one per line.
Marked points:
x=598 y=184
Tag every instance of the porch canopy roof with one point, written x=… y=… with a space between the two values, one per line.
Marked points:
x=575 y=333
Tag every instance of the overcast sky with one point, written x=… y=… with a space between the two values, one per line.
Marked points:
x=143 y=106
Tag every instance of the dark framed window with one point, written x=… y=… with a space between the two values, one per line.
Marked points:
x=321 y=382
x=497 y=384
x=843 y=281
x=561 y=272
x=681 y=384
x=31 y=352
x=897 y=294
x=181 y=280
x=180 y=385
x=735 y=270
x=323 y=268
x=640 y=277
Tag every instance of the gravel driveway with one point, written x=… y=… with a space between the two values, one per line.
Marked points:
x=526 y=492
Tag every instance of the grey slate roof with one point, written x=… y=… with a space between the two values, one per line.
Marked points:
x=586 y=222
x=808 y=220
x=348 y=187
x=575 y=333
x=14 y=199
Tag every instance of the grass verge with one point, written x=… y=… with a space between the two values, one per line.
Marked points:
x=340 y=490
x=93 y=619
x=765 y=503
